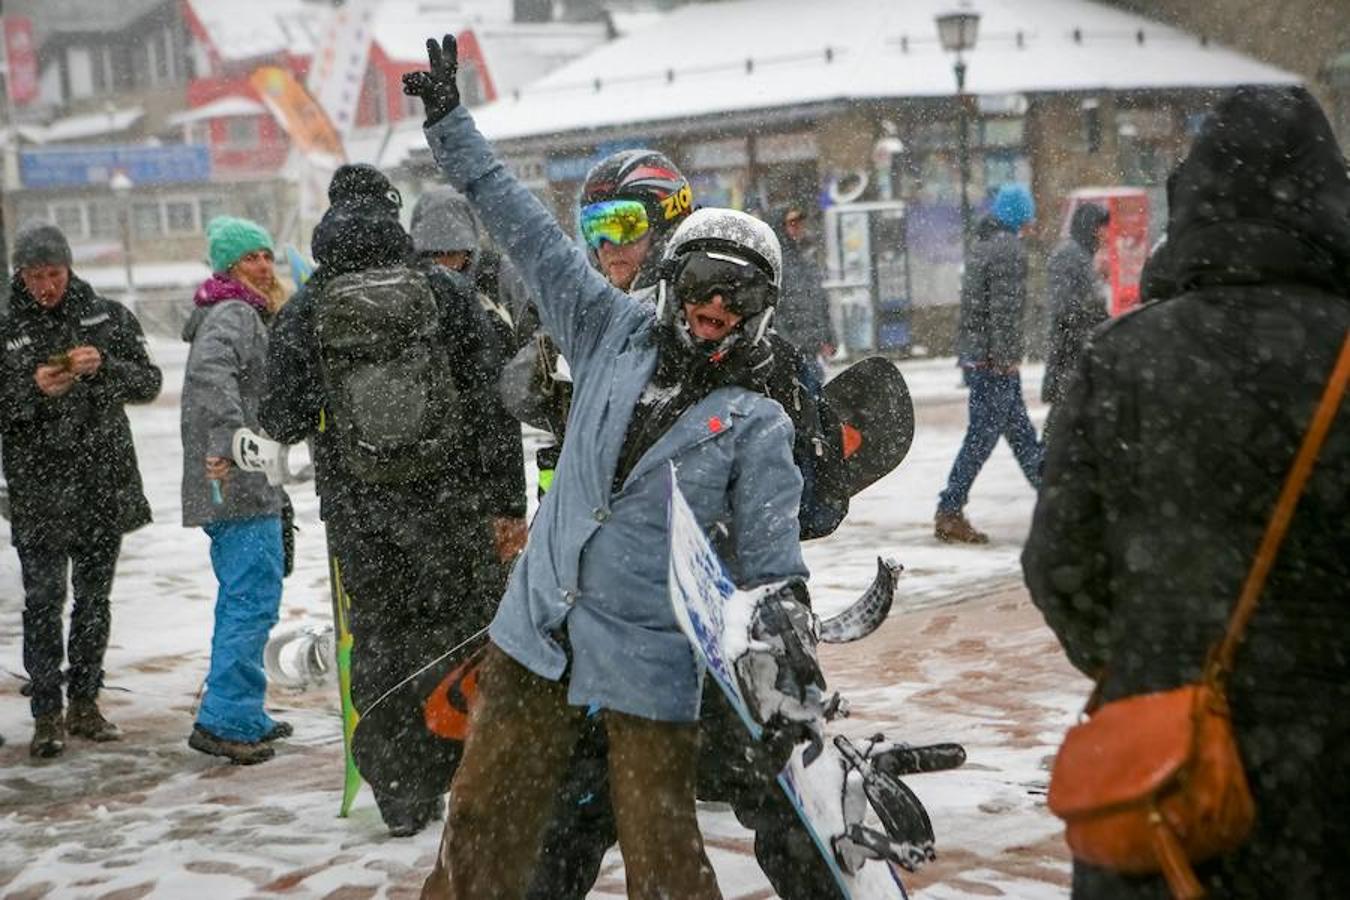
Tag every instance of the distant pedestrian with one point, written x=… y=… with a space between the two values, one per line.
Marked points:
x=803 y=314
x=1077 y=300
x=240 y=512
x=1175 y=438
x=990 y=345
x=71 y=361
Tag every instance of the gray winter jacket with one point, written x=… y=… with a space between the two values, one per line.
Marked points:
x=596 y=563
x=993 y=297
x=222 y=386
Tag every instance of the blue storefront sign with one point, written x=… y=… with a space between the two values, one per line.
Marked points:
x=62 y=167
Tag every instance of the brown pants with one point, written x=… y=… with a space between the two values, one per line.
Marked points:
x=521 y=736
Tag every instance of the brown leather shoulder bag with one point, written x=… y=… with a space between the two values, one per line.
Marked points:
x=1153 y=783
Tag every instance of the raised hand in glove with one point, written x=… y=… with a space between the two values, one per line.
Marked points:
x=437 y=88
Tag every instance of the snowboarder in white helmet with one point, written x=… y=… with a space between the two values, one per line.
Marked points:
x=586 y=619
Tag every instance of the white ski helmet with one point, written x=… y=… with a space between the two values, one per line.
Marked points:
x=727 y=235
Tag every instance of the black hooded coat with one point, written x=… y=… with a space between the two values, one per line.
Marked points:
x=70 y=460
x=1176 y=435
x=1076 y=305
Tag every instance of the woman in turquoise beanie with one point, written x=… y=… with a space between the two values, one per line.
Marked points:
x=240 y=512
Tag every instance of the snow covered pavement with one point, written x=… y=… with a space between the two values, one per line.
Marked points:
x=964 y=657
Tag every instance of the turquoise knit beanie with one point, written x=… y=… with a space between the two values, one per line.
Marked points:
x=228 y=239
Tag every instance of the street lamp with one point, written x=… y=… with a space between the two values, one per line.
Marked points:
x=958 y=31
x=121 y=186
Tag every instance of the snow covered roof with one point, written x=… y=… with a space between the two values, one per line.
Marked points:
x=518 y=55
x=226 y=106
x=403 y=26
x=74 y=128
x=694 y=63
x=247 y=29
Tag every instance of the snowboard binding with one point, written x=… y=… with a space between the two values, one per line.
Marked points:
x=301 y=658
x=867 y=613
x=907 y=839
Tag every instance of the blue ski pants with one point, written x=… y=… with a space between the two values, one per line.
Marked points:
x=996 y=409
x=246 y=555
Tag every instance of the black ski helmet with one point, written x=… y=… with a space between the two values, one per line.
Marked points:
x=653 y=180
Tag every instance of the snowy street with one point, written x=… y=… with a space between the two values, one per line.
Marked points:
x=964 y=657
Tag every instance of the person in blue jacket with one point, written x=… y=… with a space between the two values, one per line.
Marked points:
x=587 y=619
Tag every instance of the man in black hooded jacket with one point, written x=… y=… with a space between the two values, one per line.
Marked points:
x=1178 y=430
x=1076 y=305
x=405 y=549
x=71 y=360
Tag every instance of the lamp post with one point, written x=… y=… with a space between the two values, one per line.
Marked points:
x=957 y=31
x=121 y=186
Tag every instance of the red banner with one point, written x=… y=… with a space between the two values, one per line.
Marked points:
x=21 y=55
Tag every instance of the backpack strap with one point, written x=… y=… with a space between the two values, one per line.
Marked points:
x=1221 y=660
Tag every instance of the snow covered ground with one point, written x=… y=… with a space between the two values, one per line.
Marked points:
x=965 y=657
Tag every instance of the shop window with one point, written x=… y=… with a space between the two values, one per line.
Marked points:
x=181 y=216
x=258 y=209
x=209 y=208
x=1002 y=132
x=146 y=220
x=103 y=220
x=1005 y=168
x=69 y=217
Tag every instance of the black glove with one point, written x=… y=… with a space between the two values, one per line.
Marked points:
x=437 y=88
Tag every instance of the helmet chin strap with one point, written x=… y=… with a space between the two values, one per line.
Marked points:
x=764 y=324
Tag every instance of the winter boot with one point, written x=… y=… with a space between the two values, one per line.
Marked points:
x=84 y=719
x=241 y=753
x=279 y=732
x=953 y=527
x=49 y=736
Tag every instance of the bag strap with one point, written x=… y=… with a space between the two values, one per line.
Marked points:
x=1221 y=661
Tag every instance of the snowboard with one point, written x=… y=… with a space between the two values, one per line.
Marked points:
x=873 y=404
x=300 y=267
x=437 y=696
x=831 y=783
x=351 y=780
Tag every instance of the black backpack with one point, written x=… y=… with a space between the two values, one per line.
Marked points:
x=391 y=393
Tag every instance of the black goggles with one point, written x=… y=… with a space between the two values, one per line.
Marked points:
x=743 y=286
